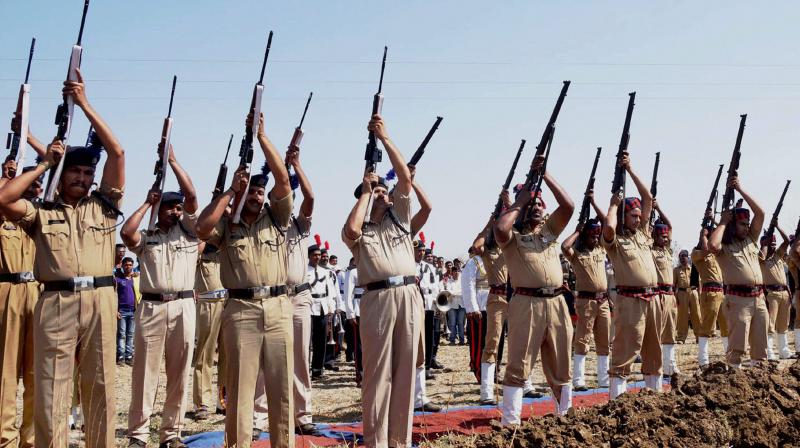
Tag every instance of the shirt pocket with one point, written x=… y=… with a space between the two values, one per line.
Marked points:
x=269 y=238
x=371 y=243
x=93 y=234
x=10 y=240
x=628 y=251
x=154 y=252
x=237 y=249
x=56 y=236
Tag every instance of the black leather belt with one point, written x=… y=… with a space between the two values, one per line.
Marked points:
x=80 y=283
x=17 y=277
x=391 y=282
x=167 y=296
x=744 y=290
x=540 y=292
x=319 y=296
x=712 y=285
x=258 y=292
x=665 y=288
x=297 y=289
x=357 y=296
x=776 y=288
x=601 y=296
x=683 y=289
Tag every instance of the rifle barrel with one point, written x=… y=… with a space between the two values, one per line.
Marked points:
x=83 y=21
x=303 y=118
x=266 y=56
x=383 y=67
x=228 y=150
x=30 y=58
x=172 y=95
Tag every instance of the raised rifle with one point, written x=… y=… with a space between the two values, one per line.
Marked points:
x=297 y=137
x=533 y=181
x=587 y=203
x=490 y=242
x=733 y=168
x=654 y=187
x=774 y=221
x=160 y=170
x=246 y=150
x=64 y=112
x=17 y=139
x=618 y=183
x=219 y=187
x=421 y=150
x=712 y=199
x=373 y=155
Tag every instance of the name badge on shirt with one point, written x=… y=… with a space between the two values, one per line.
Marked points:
x=9 y=226
x=56 y=221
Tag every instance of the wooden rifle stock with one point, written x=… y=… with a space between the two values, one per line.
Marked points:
x=708 y=220
x=587 y=203
x=654 y=186
x=774 y=221
x=160 y=170
x=490 y=242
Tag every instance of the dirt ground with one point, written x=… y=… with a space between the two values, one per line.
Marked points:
x=337 y=399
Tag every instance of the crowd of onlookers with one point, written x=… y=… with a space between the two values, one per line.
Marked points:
x=126 y=275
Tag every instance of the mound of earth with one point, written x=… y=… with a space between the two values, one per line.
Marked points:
x=759 y=406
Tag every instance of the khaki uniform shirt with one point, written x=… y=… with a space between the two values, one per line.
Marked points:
x=662 y=257
x=590 y=269
x=793 y=269
x=17 y=249
x=254 y=254
x=207 y=278
x=297 y=250
x=73 y=241
x=739 y=263
x=168 y=259
x=773 y=269
x=383 y=250
x=495 y=265
x=632 y=257
x=532 y=258
x=707 y=266
x=683 y=276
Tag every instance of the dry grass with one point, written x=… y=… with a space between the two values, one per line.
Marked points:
x=337 y=400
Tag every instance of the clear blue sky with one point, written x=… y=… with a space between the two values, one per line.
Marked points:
x=493 y=70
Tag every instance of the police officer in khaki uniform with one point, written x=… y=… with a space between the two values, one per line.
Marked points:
x=663 y=258
x=686 y=295
x=773 y=270
x=793 y=265
x=75 y=245
x=538 y=317
x=637 y=309
x=210 y=298
x=166 y=315
x=735 y=242
x=588 y=259
x=257 y=320
x=391 y=305
x=711 y=297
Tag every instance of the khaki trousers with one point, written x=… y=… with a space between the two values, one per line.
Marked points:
x=637 y=328
x=778 y=305
x=257 y=337
x=209 y=320
x=710 y=314
x=164 y=330
x=301 y=324
x=594 y=320
x=688 y=308
x=539 y=324
x=748 y=321
x=61 y=320
x=391 y=325
x=670 y=315
x=496 y=307
x=17 y=303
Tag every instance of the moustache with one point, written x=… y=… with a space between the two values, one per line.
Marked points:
x=80 y=184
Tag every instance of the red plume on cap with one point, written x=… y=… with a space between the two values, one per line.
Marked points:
x=318 y=239
x=422 y=236
x=433 y=243
x=327 y=246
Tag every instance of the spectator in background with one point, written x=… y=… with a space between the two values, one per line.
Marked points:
x=457 y=314
x=126 y=299
x=119 y=254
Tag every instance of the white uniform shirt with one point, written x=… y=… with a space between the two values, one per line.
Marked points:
x=454 y=286
x=428 y=284
x=474 y=299
x=352 y=294
x=336 y=293
x=323 y=300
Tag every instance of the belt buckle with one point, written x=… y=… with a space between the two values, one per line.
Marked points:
x=395 y=281
x=548 y=291
x=169 y=296
x=261 y=292
x=25 y=277
x=82 y=283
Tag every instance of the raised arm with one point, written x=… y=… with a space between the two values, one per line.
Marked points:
x=600 y=214
x=715 y=240
x=758 y=213
x=567 y=247
x=38 y=146
x=644 y=192
x=12 y=206
x=352 y=227
x=185 y=183
x=114 y=169
x=610 y=224
x=214 y=211
x=785 y=244
x=282 y=186
x=505 y=222
x=661 y=214
x=130 y=230
x=293 y=159
x=560 y=217
x=404 y=180
x=421 y=217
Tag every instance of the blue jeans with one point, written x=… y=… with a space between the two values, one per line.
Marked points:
x=455 y=322
x=125 y=327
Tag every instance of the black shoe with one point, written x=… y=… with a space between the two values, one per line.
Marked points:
x=316 y=374
x=428 y=407
x=580 y=388
x=429 y=375
x=120 y=362
x=435 y=365
x=201 y=414
x=129 y=362
x=462 y=343
x=256 y=434
x=533 y=394
x=136 y=443
x=348 y=358
x=489 y=402
x=173 y=443
x=220 y=411
x=330 y=367
x=306 y=429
